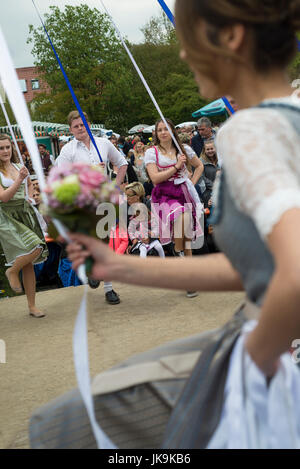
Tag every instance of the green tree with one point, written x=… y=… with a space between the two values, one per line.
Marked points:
x=294 y=69
x=10 y=114
x=88 y=46
x=185 y=97
x=104 y=80
x=170 y=80
x=159 y=31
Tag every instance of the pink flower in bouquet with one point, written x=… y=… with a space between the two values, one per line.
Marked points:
x=58 y=173
x=85 y=200
x=86 y=191
x=91 y=179
x=78 y=167
x=79 y=186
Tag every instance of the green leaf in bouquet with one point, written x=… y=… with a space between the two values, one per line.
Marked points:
x=79 y=221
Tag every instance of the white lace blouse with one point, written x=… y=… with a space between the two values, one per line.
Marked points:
x=261 y=155
x=150 y=156
x=164 y=161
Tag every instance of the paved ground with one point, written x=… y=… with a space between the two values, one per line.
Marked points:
x=39 y=363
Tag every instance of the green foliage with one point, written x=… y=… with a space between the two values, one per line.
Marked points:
x=9 y=113
x=83 y=37
x=87 y=45
x=104 y=80
x=159 y=31
x=294 y=69
x=170 y=80
x=185 y=96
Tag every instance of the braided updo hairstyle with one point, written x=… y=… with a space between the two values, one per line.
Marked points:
x=273 y=25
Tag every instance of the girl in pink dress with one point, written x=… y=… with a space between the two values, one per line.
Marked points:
x=174 y=198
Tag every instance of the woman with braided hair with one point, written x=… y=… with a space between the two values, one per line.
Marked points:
x=21 y=235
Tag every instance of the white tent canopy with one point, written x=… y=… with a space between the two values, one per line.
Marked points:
x=138 y=128
x=186 y=124
x=105 y=133
x=149 y=130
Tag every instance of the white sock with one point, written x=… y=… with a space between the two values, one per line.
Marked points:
x=188 y=245
x=107 y=287
x=158 y=248
x=143 y=251
x=160 y=251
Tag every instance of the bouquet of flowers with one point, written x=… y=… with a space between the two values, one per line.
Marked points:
x=75 y=192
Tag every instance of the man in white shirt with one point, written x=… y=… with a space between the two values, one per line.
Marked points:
x=81 y=149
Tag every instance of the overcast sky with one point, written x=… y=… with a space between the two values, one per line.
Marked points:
x=16 y=15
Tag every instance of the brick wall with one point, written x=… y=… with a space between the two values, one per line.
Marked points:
x=28 y=74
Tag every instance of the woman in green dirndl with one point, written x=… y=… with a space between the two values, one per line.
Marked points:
x=21 y=236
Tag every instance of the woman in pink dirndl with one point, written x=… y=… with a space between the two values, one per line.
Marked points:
x=174 y=198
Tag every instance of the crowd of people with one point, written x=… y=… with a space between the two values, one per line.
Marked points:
x=149 y=164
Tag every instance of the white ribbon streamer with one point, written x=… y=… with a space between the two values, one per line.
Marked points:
x=11 y=85
x=14 y=140
x=142 y=78
x=81 y=358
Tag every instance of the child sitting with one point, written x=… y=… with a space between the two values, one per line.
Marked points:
x=142 y=228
